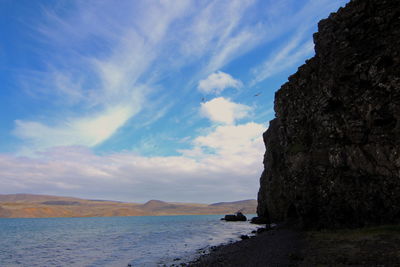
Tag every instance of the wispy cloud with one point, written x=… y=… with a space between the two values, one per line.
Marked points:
x=287 y=56
x=135 y=46
x=126 y=43
x=89 y=131
x=299 y=22
x=108 y=87
x=219 y=33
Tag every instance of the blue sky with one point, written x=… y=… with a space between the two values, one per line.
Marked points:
x=139 y=100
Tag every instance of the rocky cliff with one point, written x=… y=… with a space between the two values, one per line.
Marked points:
x=333 y=151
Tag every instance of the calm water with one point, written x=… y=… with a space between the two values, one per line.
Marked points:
x=112 y=241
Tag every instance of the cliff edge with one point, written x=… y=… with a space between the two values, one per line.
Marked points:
x=333 y=151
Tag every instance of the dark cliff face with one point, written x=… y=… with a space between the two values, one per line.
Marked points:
x=333 y=152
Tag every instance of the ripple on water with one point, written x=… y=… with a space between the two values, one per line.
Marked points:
x=112 y=241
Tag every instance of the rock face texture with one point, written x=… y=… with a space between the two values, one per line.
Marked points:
x=333 y=151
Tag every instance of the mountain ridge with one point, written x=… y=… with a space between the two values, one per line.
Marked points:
x=40 y=206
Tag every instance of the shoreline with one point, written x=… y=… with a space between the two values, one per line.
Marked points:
x=274 y=247
x=283 y=246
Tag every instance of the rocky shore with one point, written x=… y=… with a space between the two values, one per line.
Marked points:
x=373 y=246
x=269 y=248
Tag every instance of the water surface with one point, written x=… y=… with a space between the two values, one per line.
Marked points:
x=112 y=241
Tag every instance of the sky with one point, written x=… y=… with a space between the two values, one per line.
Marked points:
x=139 y=100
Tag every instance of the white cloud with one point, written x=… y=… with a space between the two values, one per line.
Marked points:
x=215 y=83
x=236 y=45
x=222 y=110
x=299 y=23
x=232 y=139
x=287 y=56
x=134 y=47
x=127 y=42
x=87 y=131
x=230 y=172
x=104 y=89
x=218 y=31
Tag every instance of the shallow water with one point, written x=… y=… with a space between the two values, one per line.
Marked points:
x=112 y=241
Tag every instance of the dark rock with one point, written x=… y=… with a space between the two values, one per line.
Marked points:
x=241 y=217
x=230 y=217
x=243 y=237
x=295 y=257
x=261 y=230
x=235 y=217
x=259 y=220
x=333 y=151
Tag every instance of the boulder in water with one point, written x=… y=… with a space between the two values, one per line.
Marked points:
x=235 y=217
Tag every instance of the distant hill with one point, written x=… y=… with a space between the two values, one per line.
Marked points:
x=154 y=204
x=41 y=206
x=31 y=198
x=246 y=202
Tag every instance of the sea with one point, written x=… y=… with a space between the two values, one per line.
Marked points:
x=113 y=241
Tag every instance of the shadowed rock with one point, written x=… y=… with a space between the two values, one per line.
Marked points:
x=235 y=217
x=333 y=151
x=259 y=220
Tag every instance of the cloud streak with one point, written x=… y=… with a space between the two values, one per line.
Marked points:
x=286 y=57
x=89 y=131
x=116 y=72
x=134 y=47
x=109 y=87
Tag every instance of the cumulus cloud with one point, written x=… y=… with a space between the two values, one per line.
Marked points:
x=215 y=83
x=231 y=139
x=222 y=110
